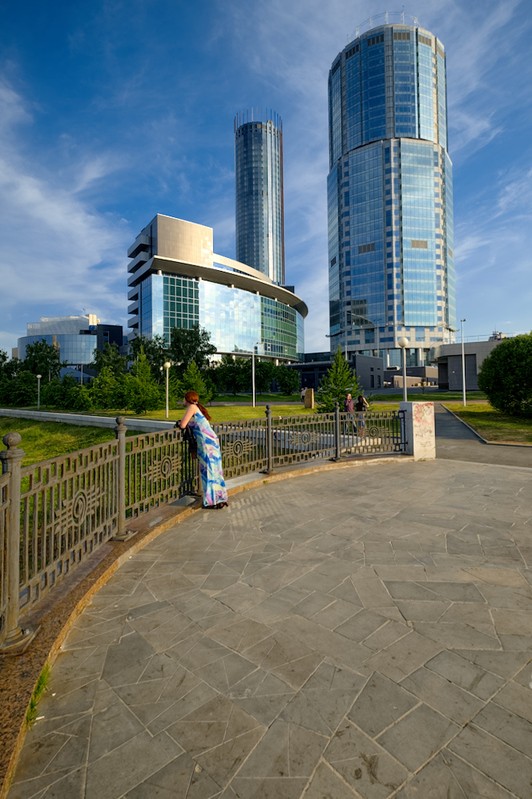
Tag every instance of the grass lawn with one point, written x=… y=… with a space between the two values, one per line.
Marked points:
x=44 y=440
x=491 y=424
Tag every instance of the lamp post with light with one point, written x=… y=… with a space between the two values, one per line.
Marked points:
x=254 y=353
x=403 y=343
x=464 y=396
x=39 y=391
x=167 y=366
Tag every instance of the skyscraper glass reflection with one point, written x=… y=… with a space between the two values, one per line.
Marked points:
x=390 y=206
x=259 y=192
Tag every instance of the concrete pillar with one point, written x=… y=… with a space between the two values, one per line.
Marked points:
x=420 y=430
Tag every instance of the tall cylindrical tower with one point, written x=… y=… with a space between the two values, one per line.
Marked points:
x=259 y=192
x=390 y=206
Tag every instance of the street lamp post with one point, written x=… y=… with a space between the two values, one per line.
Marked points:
x=167 y=366
x=464 y=396
x=403 y=343
x=253 y=391
x=39 y=391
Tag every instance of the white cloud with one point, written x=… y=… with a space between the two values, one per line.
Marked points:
x=58 y=253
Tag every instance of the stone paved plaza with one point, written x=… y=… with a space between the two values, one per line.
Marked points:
x=364 y=631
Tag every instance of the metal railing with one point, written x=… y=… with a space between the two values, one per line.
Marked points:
x=54 y=514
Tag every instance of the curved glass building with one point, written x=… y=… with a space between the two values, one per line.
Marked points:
x=176 y=280
x=259 y=192
x=390 y=195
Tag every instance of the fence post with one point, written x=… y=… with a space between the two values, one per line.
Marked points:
x=337 y=431
x=269 y=441
x=120 y=433
x=16 y=638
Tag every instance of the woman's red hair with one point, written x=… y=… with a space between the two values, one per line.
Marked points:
x=192 y=397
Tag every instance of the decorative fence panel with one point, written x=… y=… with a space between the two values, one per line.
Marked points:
x=243 y=446
x=68 y=508
x=296 y=439
x=375 y=433
x=158 y=470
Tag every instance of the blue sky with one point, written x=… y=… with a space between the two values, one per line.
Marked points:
x=113 y=111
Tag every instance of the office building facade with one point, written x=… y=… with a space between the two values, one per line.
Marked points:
x=259 y=193
x=177 y=281
x=390 y=196
x=75 y=337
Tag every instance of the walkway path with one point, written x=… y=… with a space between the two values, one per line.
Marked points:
x=358 y=632
x=456 y=441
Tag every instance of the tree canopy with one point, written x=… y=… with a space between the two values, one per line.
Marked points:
x=42 y=359
x=190 y=344
x=505 y=376
x=335 y=384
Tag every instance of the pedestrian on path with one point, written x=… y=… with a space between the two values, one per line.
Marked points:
x=209 y=454
x=361 y=407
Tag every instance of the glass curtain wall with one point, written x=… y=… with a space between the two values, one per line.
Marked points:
x=391 y=270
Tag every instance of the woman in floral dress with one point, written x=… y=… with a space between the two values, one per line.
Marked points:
x=209 y=454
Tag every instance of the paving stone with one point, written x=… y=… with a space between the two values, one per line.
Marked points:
x=497 y=760
x=326 y=783
x=335 y=614
x=417 y=736
x=325 y=643
x=456 y=635
x=381 y=702
x=442 y=695
x=510 y=728
x=422 y=610
x=516 y=698
x=363 y=764
x=390 y=632
x=403 y=657
x=182 y=777
x=448 y=777
x=466 y=674
x=361 y=625
x=125 y=766
x=324 y=699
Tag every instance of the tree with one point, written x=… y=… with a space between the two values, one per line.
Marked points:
x=107 y=390
x=19 y=391
x=142 y=391
x=339 y=380
x=231 y=374
x=42 y=359
x=156 y=352
x=109 y=358
x=287 y=379
x=193 y=380
x=506 y=376
x=190 y=344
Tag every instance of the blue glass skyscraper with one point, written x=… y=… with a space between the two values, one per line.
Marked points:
x=259 y=193
x=390 y=195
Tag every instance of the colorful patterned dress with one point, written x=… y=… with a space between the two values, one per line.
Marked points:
x=210 y=461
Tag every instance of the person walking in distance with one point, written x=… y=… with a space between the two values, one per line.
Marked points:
x=349 y=407
x=209 y=454
x=361 y=406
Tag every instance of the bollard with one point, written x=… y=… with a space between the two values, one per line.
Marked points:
x=337 y=443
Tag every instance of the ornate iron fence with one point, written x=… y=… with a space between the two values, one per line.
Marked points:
x=54 y=514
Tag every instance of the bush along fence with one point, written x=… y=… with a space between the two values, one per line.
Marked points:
x=55 y=514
